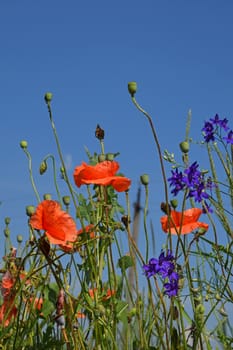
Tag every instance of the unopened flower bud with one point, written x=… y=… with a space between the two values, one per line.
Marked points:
x=47 y=196
x=6 y=232
x=184 y=146
x=99 y=133
x=30 y=210
x=19 y=238
x=201 y=231
x=48 y=97
x=66 y=200
x=165 y=207
x=132 y=87
x=43 y=167
x=144 y=179
x=23 y=144
x=7 y=220
x=109 y=156
x=101 y=158
x=200 y=309
x=174 y=203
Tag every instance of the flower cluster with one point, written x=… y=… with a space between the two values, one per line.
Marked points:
x=214 y=126
x=192 y=180
x=165 y=267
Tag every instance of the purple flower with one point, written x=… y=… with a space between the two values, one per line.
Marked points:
x=171 y=288
x=177 y=180
x=198 y=192
x=221 y=122
x=165 y=267
x=192 y=175
x=229 y=138
x=208 y=132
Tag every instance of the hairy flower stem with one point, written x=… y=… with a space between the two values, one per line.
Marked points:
x=63 y=164
x=159 y=152
x=31 y=175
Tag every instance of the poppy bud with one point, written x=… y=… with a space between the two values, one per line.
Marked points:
x=30 y=209
x=109 y=156
x=47 y=196
x=132 y=87
x=7 y=232
x=165 y=208
x=144 y=179
x=48 y=97
x=43 y=167
x=23 y=144
x=174 y=203
x=7 y=220
x=19 y=238
x=184 y=146
x=99 y=133
x=66 y=200
x=101 y=158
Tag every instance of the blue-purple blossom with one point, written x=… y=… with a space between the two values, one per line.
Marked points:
x=213 y=125
x=192 y=180
x=165 y=267
x=229 y=137
x=171 y=288
x=208 y=132
x=177 y=180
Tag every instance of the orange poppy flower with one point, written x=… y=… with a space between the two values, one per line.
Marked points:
x=7 y=311
x=58 y=225
x=183 y=223
x=88 y=229
x=7 y=284
x=37 y=303
x=103 y=173
x=108 y=294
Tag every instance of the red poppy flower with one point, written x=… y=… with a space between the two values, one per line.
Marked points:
x=88 y=229
x=103 y=173
x=58 y=225
x=7 y=311
x=183 y=223
x=7 y=284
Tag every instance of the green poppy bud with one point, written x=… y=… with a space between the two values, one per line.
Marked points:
x=47 y=196
x=7 y=220
x=109 y=156
x=144 y=179
x=19 y=238
x=132 y=87
x=7 y=232
x=200 y=309
x=184 y=146
x=30 y=210
x=23 y=144
x=43 y=167
x=174 y=203
x=48 y=97
x=101 y=158
x=66 y=200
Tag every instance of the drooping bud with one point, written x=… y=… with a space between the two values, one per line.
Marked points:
x=66 y=200
x=30 y=210
x=144 y=179
x=165 y=207
x=184 y=146
x=43 y=167
x=23 y=144
x=48 y=97
x=132 y=87
x=99 y=133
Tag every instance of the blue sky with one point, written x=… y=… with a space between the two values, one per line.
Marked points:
x=179 y=52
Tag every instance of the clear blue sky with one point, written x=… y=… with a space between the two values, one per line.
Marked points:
x=85 y=52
